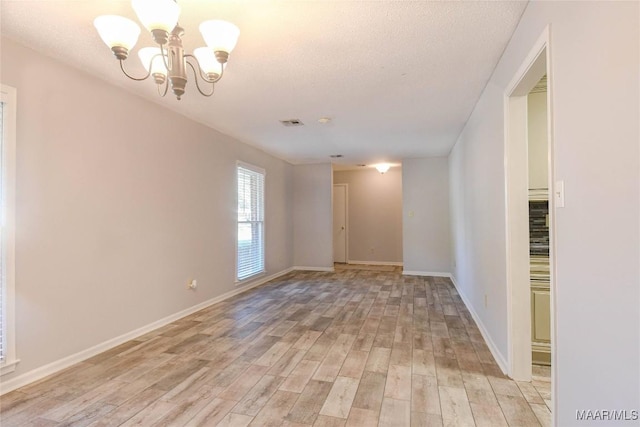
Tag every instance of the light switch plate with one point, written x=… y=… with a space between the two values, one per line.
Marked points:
x=558 y=193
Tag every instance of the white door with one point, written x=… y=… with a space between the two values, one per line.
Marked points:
x=340 y=223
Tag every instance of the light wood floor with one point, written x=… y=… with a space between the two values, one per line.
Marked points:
x=355 y=348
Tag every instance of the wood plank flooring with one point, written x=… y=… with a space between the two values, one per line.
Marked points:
x=358 y=347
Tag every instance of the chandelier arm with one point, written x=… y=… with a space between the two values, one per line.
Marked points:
x=195 y=75
x=131 y=77
x=188 y=55
x=166 y=88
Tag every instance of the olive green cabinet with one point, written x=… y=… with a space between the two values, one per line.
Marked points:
x=540 y=311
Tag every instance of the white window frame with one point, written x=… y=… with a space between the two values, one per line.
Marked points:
x=240 y=164
x=7 y=216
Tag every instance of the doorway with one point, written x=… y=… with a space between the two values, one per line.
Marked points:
x=340 y=215
x=521 y=298
x=538 y=155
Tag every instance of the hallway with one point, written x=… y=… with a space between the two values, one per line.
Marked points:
x=358 y=347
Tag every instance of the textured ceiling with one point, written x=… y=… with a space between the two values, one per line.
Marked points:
x=398 y=78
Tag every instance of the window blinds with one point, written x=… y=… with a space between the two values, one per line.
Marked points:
x=250 y=256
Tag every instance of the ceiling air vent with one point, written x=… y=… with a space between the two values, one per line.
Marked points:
x=291 y=122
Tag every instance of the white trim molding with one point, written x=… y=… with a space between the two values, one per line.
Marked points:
x=394 y=263
x=497 y=355
x=302 y=268
x=8 y=96
x=427 y=273
x=346 y=218
x=7 y=368
x=58 y=365
x=517 y=197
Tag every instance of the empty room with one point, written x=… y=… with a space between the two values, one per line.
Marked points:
x=319 y=213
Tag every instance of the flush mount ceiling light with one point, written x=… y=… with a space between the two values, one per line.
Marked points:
x=383 y=167
x=167 y=63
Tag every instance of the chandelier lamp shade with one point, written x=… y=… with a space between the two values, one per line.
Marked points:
x=167 y=63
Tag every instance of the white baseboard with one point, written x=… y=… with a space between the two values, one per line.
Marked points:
x=502 y=363
x=375 y=263
x=426 y=273
x=301 y=268
x=58 y=365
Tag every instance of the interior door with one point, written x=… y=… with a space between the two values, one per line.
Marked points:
x=340 y=223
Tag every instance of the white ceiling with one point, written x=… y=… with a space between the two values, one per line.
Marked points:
x=398 y=78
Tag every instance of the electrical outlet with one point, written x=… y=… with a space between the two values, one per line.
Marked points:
x=372 y=250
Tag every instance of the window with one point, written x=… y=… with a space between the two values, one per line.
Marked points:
x=7 y=231
x=250 y=253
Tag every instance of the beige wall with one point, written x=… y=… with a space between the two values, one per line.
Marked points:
x=375 y=214
x=120 y=202
x=312 y=216
x=425 y=207
x=595 y=64
x=537 y=140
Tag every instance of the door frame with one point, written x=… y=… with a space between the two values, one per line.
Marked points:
x=346 y=221
x=535 y=65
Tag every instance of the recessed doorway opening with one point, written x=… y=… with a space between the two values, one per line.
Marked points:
x=530 y=219
x=367 y=216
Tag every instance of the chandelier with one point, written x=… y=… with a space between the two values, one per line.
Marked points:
x=168 y=62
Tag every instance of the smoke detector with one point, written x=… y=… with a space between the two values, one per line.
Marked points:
x=292 y=122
